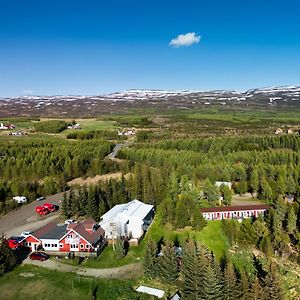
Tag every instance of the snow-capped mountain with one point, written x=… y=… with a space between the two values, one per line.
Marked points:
x=75 y=105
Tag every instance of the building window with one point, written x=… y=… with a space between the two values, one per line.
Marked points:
x=81 y=246
x=61 y=245
x=87 y=246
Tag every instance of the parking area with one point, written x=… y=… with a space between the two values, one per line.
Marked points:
x=25 y=218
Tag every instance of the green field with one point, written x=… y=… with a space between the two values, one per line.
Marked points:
x=30 y=282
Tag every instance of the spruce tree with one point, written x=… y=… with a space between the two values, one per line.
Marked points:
x=291 y=220
x=231 y=290
x=193 y=272
x=212 y=286
x=272 y=284
x=256 y=292
x=168 y=265
x=151 y=259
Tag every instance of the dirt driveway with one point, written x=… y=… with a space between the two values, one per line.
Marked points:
x=25 y=218
x=125 y=272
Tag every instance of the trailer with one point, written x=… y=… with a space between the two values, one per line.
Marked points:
x=20 y=199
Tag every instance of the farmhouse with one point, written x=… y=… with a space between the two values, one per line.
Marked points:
x=83 y=239
x=233 y=212
x=128 y=221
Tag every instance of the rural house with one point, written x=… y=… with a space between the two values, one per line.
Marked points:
x=128 y=221
x=83 y=239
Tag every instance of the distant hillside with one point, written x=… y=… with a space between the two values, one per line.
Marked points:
x=275 y=97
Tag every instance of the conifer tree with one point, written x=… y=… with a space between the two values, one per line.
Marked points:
x=272 y=284
x=212 y=286
x=168 y=265
x=231 y=290
x=193 y=272
x=150 y=259
x=256 y=292
x=291 y=221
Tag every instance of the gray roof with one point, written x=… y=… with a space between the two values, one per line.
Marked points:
x=51 y=231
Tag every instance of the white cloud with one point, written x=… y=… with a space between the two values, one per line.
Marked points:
x=187 y=39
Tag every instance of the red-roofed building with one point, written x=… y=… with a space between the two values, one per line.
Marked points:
x=233 y=212
x=82 y=239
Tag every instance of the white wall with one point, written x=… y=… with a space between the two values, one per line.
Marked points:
x=51 y=242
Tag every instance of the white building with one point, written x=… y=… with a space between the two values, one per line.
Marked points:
x=130 y=220
x=233 y=212
x=218 y=184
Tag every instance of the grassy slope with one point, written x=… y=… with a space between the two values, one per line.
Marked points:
x=45 y=284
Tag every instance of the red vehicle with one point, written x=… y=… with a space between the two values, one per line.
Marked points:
x=15 y=242
x=41 y=210
x=50 y=207
x=39 y=256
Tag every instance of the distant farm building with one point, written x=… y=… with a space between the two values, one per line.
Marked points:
x=75 y=126
x=218 y=184
x=6 y=126
x=20 y=199
x=278 y=131
x=127 y=132
x=233 y=212
x=127 y=221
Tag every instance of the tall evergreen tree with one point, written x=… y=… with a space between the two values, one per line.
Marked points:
x=272 y=284
x=193 y=270
x=231 y=289
x=168 y=265
x=151 y=259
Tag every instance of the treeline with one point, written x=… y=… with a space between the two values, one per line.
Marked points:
x=277 y=232
x=94 y=200
x=268 y=166
x=44 y=167
x=144 y=183
x=199 y=275
x=95 y=134
x=51 y=126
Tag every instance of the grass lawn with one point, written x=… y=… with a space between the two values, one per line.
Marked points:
x=211 y=235
x=30 y=282
x=107 y=258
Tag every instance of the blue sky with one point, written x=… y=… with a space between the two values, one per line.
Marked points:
x=94 y=47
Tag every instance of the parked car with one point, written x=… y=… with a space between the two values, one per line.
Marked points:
x=39 y=256
x=41 y=210
x=50 y=207
x=25 y=233
x=41 y=198
x=69 y=221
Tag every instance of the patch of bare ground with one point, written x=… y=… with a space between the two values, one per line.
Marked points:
x=94 y=180
x=245 y=199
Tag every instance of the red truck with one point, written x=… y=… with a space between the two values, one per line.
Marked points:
x=41 y=210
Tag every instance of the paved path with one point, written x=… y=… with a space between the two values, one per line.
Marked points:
x=125 y=272
x=117 y=149
x=25 y=218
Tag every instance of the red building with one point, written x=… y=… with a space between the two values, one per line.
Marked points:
x=82 y=239
x=233 y=212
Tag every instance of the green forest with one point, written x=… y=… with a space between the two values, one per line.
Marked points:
x=177 y=175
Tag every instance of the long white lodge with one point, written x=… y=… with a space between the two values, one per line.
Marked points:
x=233 y=212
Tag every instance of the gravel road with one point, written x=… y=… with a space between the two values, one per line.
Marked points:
x=125 y=272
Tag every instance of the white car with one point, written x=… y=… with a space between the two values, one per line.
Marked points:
x=69 y=221
x=25 y=233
